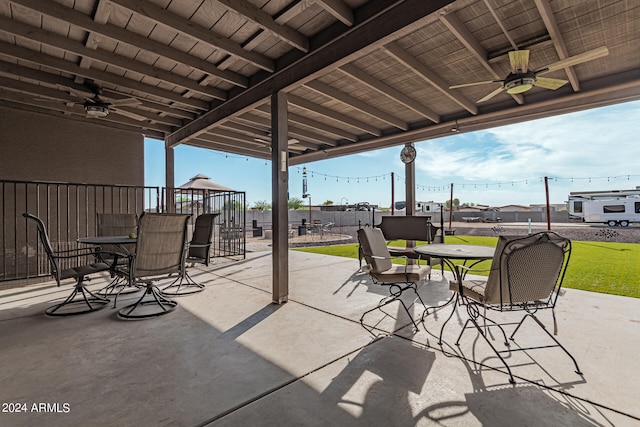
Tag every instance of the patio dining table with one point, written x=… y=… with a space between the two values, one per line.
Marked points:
x=120 y=242
x=470 y=255
x=467 y=253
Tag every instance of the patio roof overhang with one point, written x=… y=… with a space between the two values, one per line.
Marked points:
x=358 y=74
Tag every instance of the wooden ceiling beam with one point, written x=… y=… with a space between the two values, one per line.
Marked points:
x=101 y=16
x=390 y=92
x=248 y=130
x=281 y=18
x=329 y=113
x=353 y=102
x=77 y=109
x=249 y=143
x=15 y=28
x=301 y=135
x=162 y=16
x=376 y=23
x=462 y=33
x=492 y=10
x=71 y=68
x=422 y=71
x=338 y=9
x=228 y=147
x=314 y=124
x=121 y=35
x=544 y=8
x=267 y=23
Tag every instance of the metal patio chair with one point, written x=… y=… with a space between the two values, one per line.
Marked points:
x=81 y=300
x=199 y=251
x=526 y=276
x=160 y=252
x=397 y=277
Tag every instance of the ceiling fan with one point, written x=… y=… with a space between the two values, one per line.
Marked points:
x=96 y=107
x=522 y=79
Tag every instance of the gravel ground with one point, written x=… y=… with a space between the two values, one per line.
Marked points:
x=580 y=232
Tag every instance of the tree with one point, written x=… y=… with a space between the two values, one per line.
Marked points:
x=327 y=203
x=294 y=203
x=235 y=205
x=262 y=205
x=456 y=204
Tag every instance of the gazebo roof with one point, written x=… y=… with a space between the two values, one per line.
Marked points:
x=358 y=74
x=202 y=182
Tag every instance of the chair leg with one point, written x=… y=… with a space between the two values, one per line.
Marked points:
x=480 y=330
x=118 y=286
x=184 y=285
x=395 y=292
x=92 y=301
x=544 y=328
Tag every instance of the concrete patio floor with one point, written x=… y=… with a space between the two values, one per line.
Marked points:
x=228 y=357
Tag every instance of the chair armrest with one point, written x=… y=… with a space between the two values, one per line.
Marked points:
x=199 y=246
x=74 y=253
x=464 y=267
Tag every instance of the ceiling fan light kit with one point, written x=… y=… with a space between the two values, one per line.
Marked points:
x=519 y=85
x=521 y=79
x=96 y=110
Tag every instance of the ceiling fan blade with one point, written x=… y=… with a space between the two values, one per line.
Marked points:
x=129 y=114
x=475 y=84
x=489 y=96
x=125 y=102
x=50 y=101
x=575 y=60
x=519 y=61
x=547 y=83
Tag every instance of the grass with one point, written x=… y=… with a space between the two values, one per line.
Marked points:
x=606 y=267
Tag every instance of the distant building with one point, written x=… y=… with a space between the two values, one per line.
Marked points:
x=474 y=208
x=554 y=207
x=515 y=208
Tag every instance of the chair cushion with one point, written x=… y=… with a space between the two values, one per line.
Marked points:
x=397 y=273
x=474 y=289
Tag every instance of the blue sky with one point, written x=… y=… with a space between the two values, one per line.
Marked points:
x=597 y=149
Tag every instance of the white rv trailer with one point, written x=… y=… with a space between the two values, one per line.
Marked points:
x=420 y=206
x=576 y=199
x=613 y=212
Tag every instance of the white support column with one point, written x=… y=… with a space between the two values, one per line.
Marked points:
x=279 y=191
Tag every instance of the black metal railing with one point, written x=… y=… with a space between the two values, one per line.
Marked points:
x=229 y=233
x=69 y=212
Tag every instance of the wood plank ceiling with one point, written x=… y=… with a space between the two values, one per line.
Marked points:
x=358 y=74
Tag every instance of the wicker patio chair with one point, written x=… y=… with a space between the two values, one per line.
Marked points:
x=199 y=251
x=160 y=252
x=81 y=300
x=526 y=276
x=398 y=278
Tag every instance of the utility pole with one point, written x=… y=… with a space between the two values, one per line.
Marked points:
x=393 y=192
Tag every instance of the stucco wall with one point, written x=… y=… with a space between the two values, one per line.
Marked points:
x=39 y=147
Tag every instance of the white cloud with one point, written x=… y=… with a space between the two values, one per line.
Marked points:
x=593 y=143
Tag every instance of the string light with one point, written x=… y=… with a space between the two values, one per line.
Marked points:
x=375 y=178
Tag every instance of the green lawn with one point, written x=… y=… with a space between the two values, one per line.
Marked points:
x=607 y=267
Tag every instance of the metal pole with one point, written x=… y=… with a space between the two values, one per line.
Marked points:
x=546 y=189
x=450 y=207
x=393 y=204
